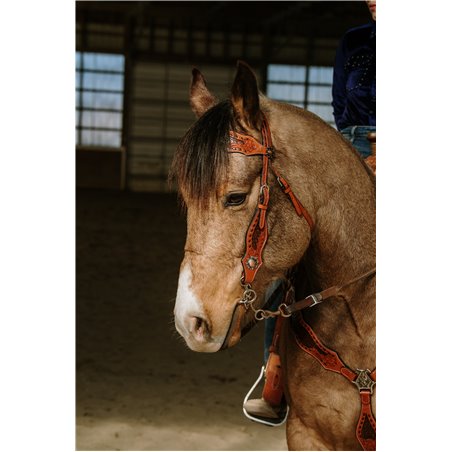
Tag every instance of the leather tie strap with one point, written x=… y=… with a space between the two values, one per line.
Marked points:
x=365 y=380
x=299 y=208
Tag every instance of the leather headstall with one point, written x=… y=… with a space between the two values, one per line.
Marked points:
x=257 y=233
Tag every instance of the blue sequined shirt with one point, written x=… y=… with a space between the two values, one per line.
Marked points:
x=354 y=86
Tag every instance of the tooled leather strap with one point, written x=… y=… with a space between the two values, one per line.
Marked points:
x=256 y=237
x=365 y=380
x=367 y=427
x=257 y=233
x=245 y=144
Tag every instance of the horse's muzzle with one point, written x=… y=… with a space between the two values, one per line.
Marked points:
x=197 y=333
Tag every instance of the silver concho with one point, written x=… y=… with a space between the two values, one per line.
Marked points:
x=364 y=380
x=252 y=263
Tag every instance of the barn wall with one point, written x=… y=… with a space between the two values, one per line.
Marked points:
x=156 y=98
x=159 y=58
x=160 y=115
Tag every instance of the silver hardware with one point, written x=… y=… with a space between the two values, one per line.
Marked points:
x=248 y=297
x=364 y=380
x=260 y=314
x=263 y=187
x=315 y=299
x=252 y=262
x=283 y=310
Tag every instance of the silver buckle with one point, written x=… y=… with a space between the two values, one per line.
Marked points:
x=315 y=299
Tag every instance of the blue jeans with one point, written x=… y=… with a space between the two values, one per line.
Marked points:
x=357 y=135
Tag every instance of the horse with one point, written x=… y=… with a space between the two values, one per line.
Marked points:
x=318 y=232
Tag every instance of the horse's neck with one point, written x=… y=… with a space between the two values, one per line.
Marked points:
x=342 y=249
x=340 y=195
x=343 y=243
x=337 y=190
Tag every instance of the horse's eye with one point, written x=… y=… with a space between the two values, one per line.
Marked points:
x=235 y=199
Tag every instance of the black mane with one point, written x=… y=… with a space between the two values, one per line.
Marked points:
x=201 y=157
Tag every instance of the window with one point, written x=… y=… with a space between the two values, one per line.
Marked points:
x=99 y=99
x=305 y=86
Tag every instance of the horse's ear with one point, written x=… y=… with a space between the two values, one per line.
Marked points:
x=245 y=97
x=201 y=99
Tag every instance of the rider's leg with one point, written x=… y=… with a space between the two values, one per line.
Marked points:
x=271 y=404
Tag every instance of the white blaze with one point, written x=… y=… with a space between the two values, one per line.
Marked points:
x=187 y=305
x=187 y=308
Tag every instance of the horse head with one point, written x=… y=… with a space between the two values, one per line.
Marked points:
x=223 y=193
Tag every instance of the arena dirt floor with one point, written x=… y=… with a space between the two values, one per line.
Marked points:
x=138 y=386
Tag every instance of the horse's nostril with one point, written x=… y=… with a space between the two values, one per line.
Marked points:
x=199 y=323
x=199 y=327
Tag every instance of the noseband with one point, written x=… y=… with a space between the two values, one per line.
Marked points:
x=257 y=234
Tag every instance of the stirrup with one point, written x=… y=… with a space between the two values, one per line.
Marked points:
x=272 y=422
